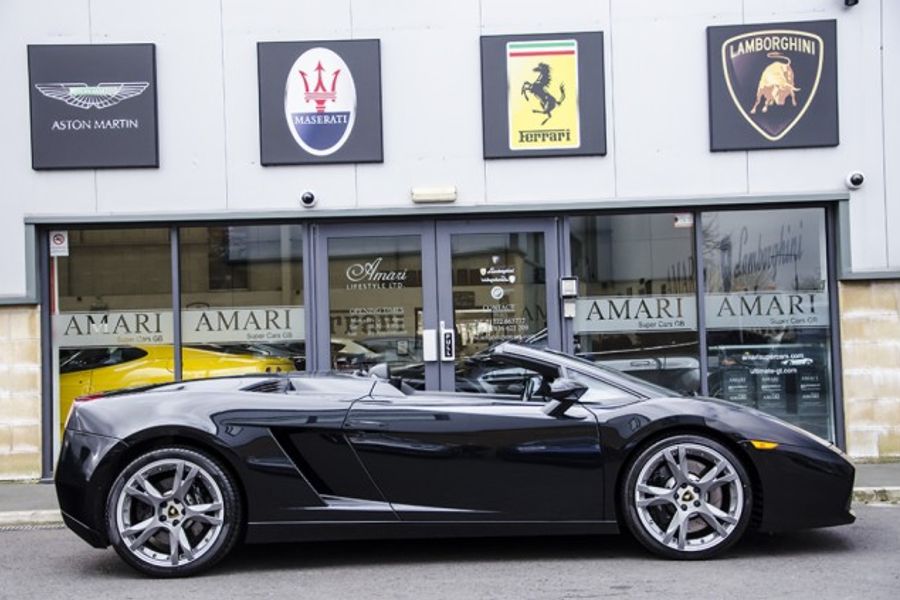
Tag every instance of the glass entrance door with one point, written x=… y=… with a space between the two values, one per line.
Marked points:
x=428 y=299
x=497 y=281
x=375 y=298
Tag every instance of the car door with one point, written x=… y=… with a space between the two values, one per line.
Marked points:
x=452 y=456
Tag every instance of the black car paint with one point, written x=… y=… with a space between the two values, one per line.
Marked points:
x=346 y=457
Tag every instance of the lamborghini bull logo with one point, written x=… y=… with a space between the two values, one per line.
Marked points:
x=773 y=77
x=776 y=84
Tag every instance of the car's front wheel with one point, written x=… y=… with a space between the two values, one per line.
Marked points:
x=687 y=497
x=173 y=512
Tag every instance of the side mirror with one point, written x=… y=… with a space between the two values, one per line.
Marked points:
x=567 y=390
x=380 y=371
x=563 y=394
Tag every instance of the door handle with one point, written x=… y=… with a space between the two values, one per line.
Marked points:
x=364 y=424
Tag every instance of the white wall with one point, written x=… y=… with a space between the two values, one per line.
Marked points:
x=656 y=108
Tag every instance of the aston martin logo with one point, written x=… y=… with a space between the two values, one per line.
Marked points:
x=773 y=76
x=100 y=96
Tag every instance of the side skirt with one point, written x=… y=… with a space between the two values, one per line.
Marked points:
x=271 y=532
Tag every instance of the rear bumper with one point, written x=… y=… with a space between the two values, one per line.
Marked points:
x=804 y=487
x=82 y=478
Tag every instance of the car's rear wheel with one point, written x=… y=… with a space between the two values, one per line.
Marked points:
x=173 y=512
x=687 y=497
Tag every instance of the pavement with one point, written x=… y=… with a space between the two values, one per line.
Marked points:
x=855 y=561
x=35 y=503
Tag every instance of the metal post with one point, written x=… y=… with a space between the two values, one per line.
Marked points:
x=700 y=284
x=48 y=423
x=175 y=254
x=837 y=400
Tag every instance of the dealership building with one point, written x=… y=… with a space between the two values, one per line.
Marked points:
x=701 y=194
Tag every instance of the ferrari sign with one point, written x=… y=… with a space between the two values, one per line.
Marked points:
x=543 y=111
x=543 y=95
x=773 y=85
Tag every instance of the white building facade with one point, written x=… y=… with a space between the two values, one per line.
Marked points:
x=767 y=277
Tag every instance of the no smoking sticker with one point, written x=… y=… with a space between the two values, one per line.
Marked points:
x=59 y=243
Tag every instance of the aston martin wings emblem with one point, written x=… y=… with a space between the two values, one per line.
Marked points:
x=100 y=96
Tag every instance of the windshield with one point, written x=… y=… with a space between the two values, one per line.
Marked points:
x=642 y=384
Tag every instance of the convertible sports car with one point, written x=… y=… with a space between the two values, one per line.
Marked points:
x=174 y=476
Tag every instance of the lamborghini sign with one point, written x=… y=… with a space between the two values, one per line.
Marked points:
x=773 y=86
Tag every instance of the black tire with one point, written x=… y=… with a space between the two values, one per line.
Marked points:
x=210 y=478
x=648 y=524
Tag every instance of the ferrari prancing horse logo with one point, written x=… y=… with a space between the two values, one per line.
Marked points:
x=772 y=77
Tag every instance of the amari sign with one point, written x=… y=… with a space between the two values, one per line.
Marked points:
x=773 y=85
x=226 y=325
x=93 y=106
x=744 y=310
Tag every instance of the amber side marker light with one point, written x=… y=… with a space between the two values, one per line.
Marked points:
x=764 y=445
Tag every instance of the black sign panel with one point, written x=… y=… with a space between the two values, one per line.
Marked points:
x=773 y=85
x=93 y=106
x=543 y=95
x=319 y=102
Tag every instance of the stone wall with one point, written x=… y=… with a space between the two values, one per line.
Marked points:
x=20 y=392
x=870 y=351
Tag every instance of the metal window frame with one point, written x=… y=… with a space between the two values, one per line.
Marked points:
x=835 y=234
x=37 y=261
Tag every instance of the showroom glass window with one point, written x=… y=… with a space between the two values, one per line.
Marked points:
x=241 y=299
x=111 y=312
x=375 y=304
x=767 y=313
x=636 y=309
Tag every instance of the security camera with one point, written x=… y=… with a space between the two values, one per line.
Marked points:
x=854 y=180
x=308 y=199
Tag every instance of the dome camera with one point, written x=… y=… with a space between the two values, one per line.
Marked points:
x=308 y=199
x=854 y=180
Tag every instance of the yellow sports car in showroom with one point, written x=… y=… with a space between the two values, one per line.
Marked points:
x=85 y=371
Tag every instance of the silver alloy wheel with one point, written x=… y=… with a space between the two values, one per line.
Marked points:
x=170 y=512
x=689 y=497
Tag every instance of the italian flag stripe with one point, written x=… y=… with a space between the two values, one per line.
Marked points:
x=534 y=45
x=542 y=53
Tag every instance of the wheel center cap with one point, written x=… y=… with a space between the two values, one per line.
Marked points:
x=173 y=512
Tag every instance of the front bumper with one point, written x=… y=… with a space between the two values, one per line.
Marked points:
x=803 y=487
x=83 y=475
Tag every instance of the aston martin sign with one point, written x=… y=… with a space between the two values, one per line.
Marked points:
x=93 y=106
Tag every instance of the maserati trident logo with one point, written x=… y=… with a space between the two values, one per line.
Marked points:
x=772 y=77
x=86 y=97
x=320 y=101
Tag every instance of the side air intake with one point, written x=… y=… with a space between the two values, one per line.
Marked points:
x=271 y=386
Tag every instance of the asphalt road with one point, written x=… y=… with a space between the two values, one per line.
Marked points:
x=862 y=560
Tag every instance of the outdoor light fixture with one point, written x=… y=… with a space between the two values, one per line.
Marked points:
x=433 y=194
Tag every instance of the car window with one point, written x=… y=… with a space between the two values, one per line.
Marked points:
x=598 y=390
x=94 y=358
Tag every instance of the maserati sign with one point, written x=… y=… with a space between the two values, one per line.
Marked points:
x=320 y=102
x=93 y=106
